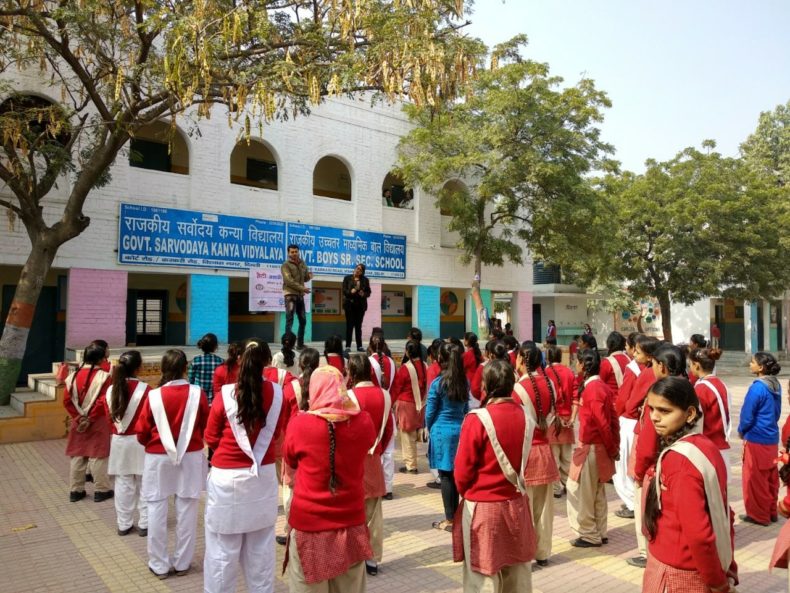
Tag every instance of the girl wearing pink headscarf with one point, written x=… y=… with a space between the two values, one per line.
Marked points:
x=327 y=446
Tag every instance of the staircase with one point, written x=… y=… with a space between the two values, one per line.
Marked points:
x=35 y=413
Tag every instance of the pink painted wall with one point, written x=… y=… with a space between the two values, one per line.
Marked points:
x=96 y=307
x=373 y=314
x=522 y=318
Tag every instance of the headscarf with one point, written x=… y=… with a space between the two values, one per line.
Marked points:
x=328 y=396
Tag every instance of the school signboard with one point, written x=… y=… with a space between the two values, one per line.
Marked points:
x=154 y=236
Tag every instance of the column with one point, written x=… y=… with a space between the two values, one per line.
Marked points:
x=471 y=315
x=96 y=307
x=426 y=311
x=373 y=314
x=207 y=307
x=521 y=313
x=750 y=326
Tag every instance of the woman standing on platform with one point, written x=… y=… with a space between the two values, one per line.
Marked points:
x=687 y=516
x=495 y=537
x=124 y=401
x=88 y=442
x=171 y=428
x=241 y=493
x=408 y=390
x=327 y=446
x=759 y=430
x=448 y=403
x=201 y=371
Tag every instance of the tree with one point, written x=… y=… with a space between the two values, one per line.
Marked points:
x=117 y=66
x=696 y=226
x=522 y=147
x=767 y=149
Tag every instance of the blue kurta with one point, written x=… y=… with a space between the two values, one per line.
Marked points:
x=443 y=418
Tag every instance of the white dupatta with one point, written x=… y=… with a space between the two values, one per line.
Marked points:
x=175 y=452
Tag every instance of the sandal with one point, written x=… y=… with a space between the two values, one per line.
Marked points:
x=443 y=525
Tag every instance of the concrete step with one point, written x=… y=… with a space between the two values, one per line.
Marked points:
x=9 y=412
x=44 y=383
x=22 y=397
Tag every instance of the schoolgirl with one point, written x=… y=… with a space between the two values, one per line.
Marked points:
x=494 y=350
x=408 y=390
x=201 y=371
x=286 y=358
x=561 y=442
x=228 y=372
x=473 y=358
x=333 y=353
x=381 y=363
x=433 y=371
x=613 y=366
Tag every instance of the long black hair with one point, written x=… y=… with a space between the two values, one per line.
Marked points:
x=309 y=360
x=471 y=339
x=615 y=342
x=672 y=358
x=590 y=362
x=497 y=350
x=453 y=376
x=413 y=351
x=433 y=350
x=234 y=351
x=128 y=365
x=358 y=368
x=173 y=366
x=533 y=361
x=498 y=380
x=333 y=345
x=249 y=387
x=288 y=341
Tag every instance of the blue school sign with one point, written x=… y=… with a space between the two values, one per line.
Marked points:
x=168 y=237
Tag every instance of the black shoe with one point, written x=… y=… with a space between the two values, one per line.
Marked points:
x=434 y=484
x=181 y=573
x=102 y=496
x=388 y=496
x=125 y=531
x=624 y=513
x=89 y=477
x=558 y=495
x=748 y=519
x=281 y=539
x=361 y=349
x=604 y=540
x=542 y=563
x=404 y=470
x=583 y=543
x=637 y=561
x=774 y=519
x=76 y=496
x=371 y=567
x=161 y=577
x=142 y=532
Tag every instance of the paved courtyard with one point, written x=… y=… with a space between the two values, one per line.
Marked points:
x=49 y=545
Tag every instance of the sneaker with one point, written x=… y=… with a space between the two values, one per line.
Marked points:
x=583 y=543
x=637 y=561
x=142 y=531
x=102 y=496
x=127 y=531
x=388 y=496
x=434 y=485
x=77 y=496
x=281 y=539
x=604 y=540
x=371 y=567
x=624 y=513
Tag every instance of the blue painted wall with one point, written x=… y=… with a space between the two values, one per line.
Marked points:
x=208 y=307
x=428 y=312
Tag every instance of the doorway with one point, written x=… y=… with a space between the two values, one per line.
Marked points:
x=145 y=317
x=537 y=324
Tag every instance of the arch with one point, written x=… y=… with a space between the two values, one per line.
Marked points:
x=399 y=196
x=451 y=187
x=332 y=179
x=39 y=110
x=155 y=147
x=254 y=164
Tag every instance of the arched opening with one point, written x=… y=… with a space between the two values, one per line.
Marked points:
x=394 y=193
x=450 y=189
x=253 y=164
x=157 y=148
x=332 y=179
x=38 y=120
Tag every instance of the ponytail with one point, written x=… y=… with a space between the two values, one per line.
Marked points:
x=308 y=362
x=453 y=376
x=332 y=446
x=128 y=365
x=288 y=342
x=591 y=365
x=234 y=351
x=249 y=387
x=471 y=339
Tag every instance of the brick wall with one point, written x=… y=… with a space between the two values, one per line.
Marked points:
x=96 y=307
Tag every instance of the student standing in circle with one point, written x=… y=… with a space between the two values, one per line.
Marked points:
x=356 y=291
x=408 y=391
x=562 y=441
x=201 y=371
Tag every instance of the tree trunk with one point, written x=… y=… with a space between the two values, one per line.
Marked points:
x=666 y=316
x=20 y=316
x=477 y=299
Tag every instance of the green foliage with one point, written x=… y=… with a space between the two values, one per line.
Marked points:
x=767 y=149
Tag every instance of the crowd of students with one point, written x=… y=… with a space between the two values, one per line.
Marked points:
x=510 y=430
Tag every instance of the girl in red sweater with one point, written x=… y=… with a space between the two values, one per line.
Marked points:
x=228 y=372
x=538 y=393
x=473 y=358
x=687 y=517
x=124 y=401
x=333 y=353
x=408 y=390
x=327 y=446
x=241 y=493
x=561 y=441
x=495 y=537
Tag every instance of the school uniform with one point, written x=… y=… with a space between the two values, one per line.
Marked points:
x=541 y=470
x=476 y=386
x=470 y=364
x=329 y=537
x=241 y=494
x=779 y=556
x=562 y=443
x=378 y=404
x=382 y=374
x=127 y=457
x=282 y=378
x=335 y=360
x=694 y=542
x=714 y=400
x=278 y=361
x=408 y=390
x=613 y=370
x=225 y=376
x=593 y=462
x=171 y=428
x=89 y=450
x=292 y=400
x=493 y=533
x=623 y=483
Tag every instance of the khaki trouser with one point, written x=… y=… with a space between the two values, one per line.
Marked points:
x=288 y=494
x=408 y=443
x=511 y=579
x=562 y=456
x=587 y=502
x=374 y=516
x=97 y=468
x=541 y=504
x=641 y=540
x=352 y=581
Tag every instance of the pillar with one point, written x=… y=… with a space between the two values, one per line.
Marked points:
x=426 y=311
x=750 y=326
x=207 y=307
x=373 y=314
x=96 y=307
x=521 y=312
x=471 y=317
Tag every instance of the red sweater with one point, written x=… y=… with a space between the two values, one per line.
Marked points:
x=387 y=371
x=638 y=394
x=401 y=386
x=607 y=374
x=223 y=376
x=219 y=433
x=470 y=364
x=174 y=399
x=273 y=374
x=598 y=423
x=477 y=383
x=132 y=428
x=714 y=426
x=306 y=449
x=646 y=453
x=337 y=361
x=290 y=401
x=371 y=400
x=539 y=437
x=684 y=534
x=434 y=370
x=564 y=379
x=98 y=410
x=477 y=472
x=624 y=393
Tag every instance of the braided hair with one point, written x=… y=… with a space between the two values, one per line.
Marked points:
x=332 y=446
x=288 y=341
x=532 y=361
x=128 y=365
x=94 y=354
x=590 y=362
x=308 y=362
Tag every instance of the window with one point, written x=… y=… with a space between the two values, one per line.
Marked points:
x=543 y=274
x=332 y=179
x=394 y=193
x=253 y=164
x=157 y=147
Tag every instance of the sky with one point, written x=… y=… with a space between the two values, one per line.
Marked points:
x=677 y=72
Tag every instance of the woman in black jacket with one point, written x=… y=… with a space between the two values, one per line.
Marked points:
x=356 y=290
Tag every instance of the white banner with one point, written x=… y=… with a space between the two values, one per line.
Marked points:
x=266 y=290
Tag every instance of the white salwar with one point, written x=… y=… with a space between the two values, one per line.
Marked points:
x=241 y=510
x=623 y=483
x=388 y=458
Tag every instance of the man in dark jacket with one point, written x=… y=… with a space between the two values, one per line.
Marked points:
x=295 y=276
x=356 y=290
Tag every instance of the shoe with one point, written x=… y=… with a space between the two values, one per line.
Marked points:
x=558 y=495
x=624 y=513
x=637 y=561
x=89 y=477
x=77 y=496
x=371 y=567
x=388 y=496
x=142 y=531
x=542 y=563
x=583 y=543
x=604 y=540
x=405 y=470
x=281 y=539
x=161 y=577
x=774 y=519
x=102 y=496
x=347 y=351
x=125 y=531
x=181 y=573
x=446 y=525
x=748 y=519
x=434 y=484
x=361 y=349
